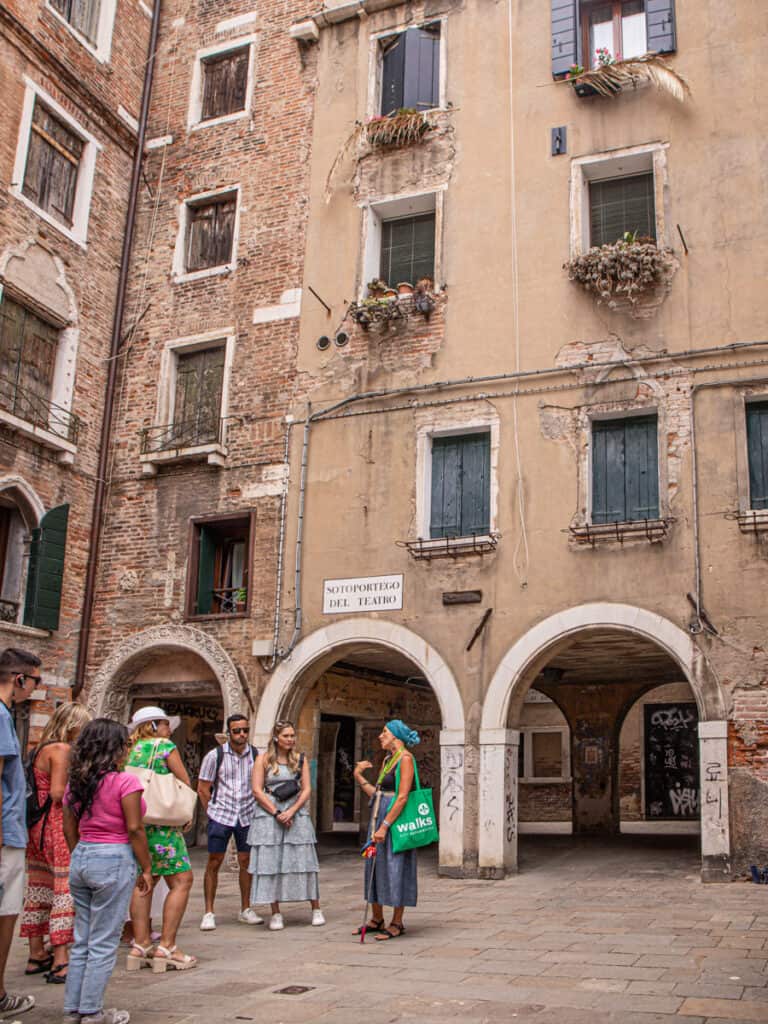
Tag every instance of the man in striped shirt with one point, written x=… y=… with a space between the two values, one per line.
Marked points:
x=224 y=788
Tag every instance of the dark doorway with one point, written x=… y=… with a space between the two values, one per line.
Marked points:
x=336 y=787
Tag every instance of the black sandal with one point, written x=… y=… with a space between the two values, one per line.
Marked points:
x=386 y=934
x=372 y=926
x=55 y=977
x=41 y=966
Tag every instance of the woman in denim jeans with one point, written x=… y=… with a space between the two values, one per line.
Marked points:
x=103 y=809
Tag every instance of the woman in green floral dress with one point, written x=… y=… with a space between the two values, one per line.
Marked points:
x=151 y=746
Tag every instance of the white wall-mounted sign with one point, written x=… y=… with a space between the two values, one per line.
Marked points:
x=365 y=594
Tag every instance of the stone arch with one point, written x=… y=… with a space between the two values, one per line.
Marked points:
x=108 y=692
x=323 y=647
x=291 y=681
x=514 y=673
x=29 y=504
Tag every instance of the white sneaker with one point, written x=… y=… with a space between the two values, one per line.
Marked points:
x=276 y=923
x=318 y=918
x=249 y=916
x=208 y=924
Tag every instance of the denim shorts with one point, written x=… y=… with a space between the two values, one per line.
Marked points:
x=219 y=836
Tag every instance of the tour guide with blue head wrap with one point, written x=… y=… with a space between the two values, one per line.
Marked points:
x=402 y=819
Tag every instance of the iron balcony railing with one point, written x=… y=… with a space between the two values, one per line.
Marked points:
x=170 y=437
x=39 y=411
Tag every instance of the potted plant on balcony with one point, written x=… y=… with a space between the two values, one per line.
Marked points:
x=399 y=128
x=611 y=74
x=423 y=297
x=626 y=269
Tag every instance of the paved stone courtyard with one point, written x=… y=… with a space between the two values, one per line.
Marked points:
x=587 y=933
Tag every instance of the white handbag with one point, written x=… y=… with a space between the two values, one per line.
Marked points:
x=169 y=802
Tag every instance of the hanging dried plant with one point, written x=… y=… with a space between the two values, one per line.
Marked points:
x=609 y=78
x=399 y=129
x=626 y=269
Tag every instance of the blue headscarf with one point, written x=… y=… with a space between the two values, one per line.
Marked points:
x=401 y=731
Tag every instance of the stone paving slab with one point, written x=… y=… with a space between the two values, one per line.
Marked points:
x=584 y=935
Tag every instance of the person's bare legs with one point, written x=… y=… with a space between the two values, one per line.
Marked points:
x=141 y=907
x=395 y=926
x=211 y=880
x=7 y=924
x=275 y=908
x=37 y=948
x=179 y=887
x=243 y=860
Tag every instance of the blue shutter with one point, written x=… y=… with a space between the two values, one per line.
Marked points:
x=475 y=484
x=392 y=75
x=757 y=451
x=46 y=570
x=565 y=35
x=641 y=469
x=445 y=510
x=421 y=87
x=660 y=22
x=625 y=470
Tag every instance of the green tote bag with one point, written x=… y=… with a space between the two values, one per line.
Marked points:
x=417 y=824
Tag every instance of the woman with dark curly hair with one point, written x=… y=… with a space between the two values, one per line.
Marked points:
x=103 y=808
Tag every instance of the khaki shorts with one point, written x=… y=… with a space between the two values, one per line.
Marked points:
x=11 y=880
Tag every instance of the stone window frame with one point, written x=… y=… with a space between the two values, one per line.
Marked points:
x=215 y=453
x=195 y=108
x=190 y=585
x=102 y=48
x=375 y=62
x=375 y=211
x=180 y=274
x=78 y=232
x=618 y=411
x=744 y=396
x=617 y=163
x=565 y=753
x=443 y=425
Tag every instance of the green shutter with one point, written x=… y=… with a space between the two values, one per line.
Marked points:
x=206 y=566
x=625 y=471
x=757 y=451
x=460 y=492
x=46 y=570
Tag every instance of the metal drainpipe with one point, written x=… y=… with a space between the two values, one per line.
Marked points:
x=114 y=352
x=268 y=664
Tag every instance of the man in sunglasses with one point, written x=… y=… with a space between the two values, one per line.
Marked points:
x=19 y=676
x=225 y=791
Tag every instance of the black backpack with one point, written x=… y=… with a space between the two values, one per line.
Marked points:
x=219 y=759
x=35 y=810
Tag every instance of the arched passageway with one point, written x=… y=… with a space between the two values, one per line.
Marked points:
x=339 y=686
x=594 y=669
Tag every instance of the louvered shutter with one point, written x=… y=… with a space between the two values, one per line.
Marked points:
x=206 y=568
x=608 y=473
x=46 y=570
x=445 y=512
x=625 y=471
x=757 y=451
x=475 y=484
x=660 y=21
x=565 y=35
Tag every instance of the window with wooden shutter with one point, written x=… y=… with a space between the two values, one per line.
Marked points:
x=197 y=397
x=225 y=81
x=410 y=70
x=407 y=249
x=53 y=163
x=757 y=452
x=461 y=485
x=27 y=363
x=46 y=570
x=82 y=15
x=621 y=205
x=210 y=233
x=219 y=566
x=625 y=470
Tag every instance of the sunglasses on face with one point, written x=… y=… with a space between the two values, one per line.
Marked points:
x=25 y=676
x=235 y=732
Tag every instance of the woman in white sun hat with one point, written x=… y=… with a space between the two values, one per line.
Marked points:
x=151 y=745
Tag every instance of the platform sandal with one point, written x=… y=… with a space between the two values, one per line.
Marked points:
x=165 y=961
x=134 y=961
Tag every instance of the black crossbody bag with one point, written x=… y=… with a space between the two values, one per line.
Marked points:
x=284 y=789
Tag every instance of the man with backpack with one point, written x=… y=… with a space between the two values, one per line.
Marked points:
x=225 y=791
